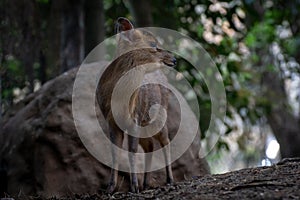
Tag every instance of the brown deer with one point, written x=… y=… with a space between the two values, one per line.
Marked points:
x=137 y=49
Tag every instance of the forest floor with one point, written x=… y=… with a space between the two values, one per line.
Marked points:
x=279 y=181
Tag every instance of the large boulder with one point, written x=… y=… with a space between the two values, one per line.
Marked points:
x=43 y=154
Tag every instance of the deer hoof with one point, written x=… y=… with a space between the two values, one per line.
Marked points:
x=111 y=188
x=134 y=188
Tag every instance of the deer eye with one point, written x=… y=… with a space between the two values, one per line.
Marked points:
x=153 y=44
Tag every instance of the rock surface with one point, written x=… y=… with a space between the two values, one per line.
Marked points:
x=43 y=155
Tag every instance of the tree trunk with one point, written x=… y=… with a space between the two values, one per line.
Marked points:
x=52 y=42
x=72 y=36
x=30 y=40
x=43 y=67
x=284 y=124
x=94 y=24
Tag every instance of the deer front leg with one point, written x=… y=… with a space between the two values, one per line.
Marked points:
x=133 y=147
x=147 y=145
x=164 y=141
x=116 y=138
x=169 y=173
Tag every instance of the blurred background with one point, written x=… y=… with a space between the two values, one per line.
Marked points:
x=255 y=45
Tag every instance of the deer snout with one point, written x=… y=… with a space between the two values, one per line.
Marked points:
x=174 y=61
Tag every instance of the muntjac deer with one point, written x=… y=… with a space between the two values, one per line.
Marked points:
x=136 y=49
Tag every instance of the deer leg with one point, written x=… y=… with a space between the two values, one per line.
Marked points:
x=164 y=141
x=147 y=145
x=133 y=147
x=116 y=138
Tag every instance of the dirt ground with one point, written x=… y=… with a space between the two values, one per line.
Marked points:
x=280 y=181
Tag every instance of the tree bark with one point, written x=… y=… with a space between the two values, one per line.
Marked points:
x=72 y=36
x=94 y=24
x=284 y=124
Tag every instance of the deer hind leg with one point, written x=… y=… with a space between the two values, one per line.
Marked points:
x=147 y=145
x=164 y=140
x=116 y=137
x=133 y=147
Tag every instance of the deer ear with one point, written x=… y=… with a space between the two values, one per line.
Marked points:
x=124 y=25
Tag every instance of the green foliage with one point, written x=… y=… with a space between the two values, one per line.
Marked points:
x=261 y=33
x=241 y=56
x=12 y=75
x=290 y=45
